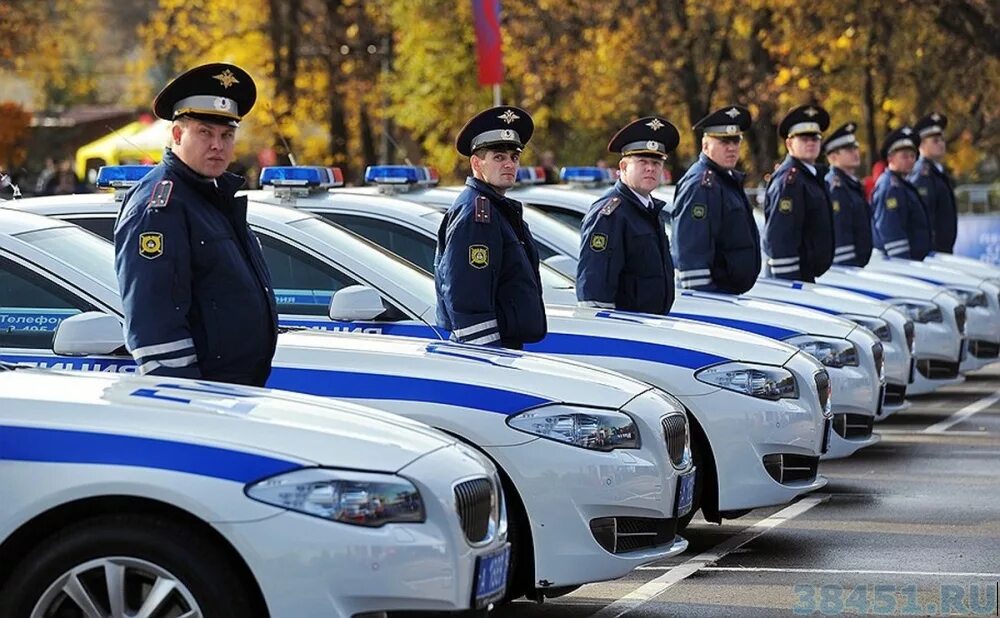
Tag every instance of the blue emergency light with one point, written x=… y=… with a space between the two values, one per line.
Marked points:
x=121 y=176
x=585 y=174
x=530 y=175
x=400 y=175
x=302 y=176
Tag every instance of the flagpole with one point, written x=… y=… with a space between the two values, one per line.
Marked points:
x=496 y=95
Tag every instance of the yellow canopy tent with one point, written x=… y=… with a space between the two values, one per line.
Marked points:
x=132 y=143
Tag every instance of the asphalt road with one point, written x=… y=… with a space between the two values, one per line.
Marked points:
x=908 y=526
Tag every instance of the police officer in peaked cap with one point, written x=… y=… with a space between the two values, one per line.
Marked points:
x=852 y=215
x=935 y=186
x=716 y=245
x=486 y=265
x=798 y=228
x=625 y=260
x=195 y=289
x=902 y=227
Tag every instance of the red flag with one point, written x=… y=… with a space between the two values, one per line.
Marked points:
x=486 y=15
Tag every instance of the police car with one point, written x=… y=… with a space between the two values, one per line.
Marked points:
x=597 y=466
x=128 y=496
x=853 y=356
x=760 y=409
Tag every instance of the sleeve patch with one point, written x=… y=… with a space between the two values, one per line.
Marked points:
x=599 y=242
x=698 y=211
x=922 y=191
x=161 y=194
x=482 y=209
x=891 y=203
x=151 y=245
x=785 y=206
x=479 y=256
x=610 y=206
x=836 y=205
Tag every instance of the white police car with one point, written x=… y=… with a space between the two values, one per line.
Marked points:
x=597 y=465
x=127 y=496
x=852 y=355
x=761 y=409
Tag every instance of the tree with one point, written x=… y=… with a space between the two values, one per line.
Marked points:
x=14 y=127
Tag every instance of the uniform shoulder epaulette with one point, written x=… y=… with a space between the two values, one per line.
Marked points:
x=893 y=181
x=161 y=194
x=482 y=209
x=835 y=180
x=706 y=178
x=792 y=174
x=610 y=206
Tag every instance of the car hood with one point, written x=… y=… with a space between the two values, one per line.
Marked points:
x=300 y=429
x=819 y=297
x=878 y=285
x=387 y=367
x=775 y=320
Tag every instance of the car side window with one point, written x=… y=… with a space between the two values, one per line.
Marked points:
x=102 y=226
x=411 y=245
x=31 y=307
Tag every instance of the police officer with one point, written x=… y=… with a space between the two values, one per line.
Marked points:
x=901 y=226
x=798 y=229
x=716 y=245
x=625 y=258
x=935 y=186
x=195 y=289
x=852 y=215
x=486 y=265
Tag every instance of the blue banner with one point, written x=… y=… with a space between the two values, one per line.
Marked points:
x=979 y=238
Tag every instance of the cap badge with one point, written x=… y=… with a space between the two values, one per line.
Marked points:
x=936 y=117
x=733 y=112
x=655 y=124
x=811 y=111
x=850 y=127
x=507 y=134
x=222 y=104
x=907 y=130
x=226 y=78
x=651 y=145
x=732 y=129
x=508 y=116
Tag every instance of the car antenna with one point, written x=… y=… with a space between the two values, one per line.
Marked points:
x=388 y=136
x=284 y=142
x=149 y=155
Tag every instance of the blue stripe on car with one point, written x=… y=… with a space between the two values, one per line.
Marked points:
x=863 y=292
x=87 y=447
x=588 y=345
x=774 y=332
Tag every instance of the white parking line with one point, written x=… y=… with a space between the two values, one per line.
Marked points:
x=853 y=572
x=964 y=413
x=648 y=591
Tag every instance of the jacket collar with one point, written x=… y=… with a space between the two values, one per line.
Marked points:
x=629 y=196
x=487 y=190
x=721 y=172
x=228 y=184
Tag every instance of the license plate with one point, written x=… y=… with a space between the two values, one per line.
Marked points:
x=685 y=493
x=491 y=577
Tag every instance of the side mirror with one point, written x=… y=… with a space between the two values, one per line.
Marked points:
x=564 y=264
x=356 y=302
x=88 y=333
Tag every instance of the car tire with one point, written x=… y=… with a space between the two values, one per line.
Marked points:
x=137 y=554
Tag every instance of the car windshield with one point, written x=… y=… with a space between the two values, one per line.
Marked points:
x=86 y=252
x=385 y=264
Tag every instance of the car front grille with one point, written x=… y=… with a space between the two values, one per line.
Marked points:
x=910 y=333
x=853 y=426
x=823 y=388
x=960 y=318
x=787 y=468
x=983 y=349
x=895 y=394
x=879 y=353
x=675 y=432
x=620 y=535
x=474 y=502
x=937 y=369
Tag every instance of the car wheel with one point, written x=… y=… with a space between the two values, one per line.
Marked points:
x=127 y=565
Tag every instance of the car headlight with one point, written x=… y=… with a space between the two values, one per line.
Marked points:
x=359 y=498
x=877 y=325
x=598 y=430
x=920 y=312
x=763 y=381
x=827 y=350
x=972 y=298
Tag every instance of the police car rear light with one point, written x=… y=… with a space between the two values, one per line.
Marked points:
x=121 y=176
x=400 y=175
x=585 y=174
x=297 y=176
x=336 y=176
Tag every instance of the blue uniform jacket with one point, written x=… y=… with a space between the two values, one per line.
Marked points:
x=486 y=271
x=624 y=255
x=195 y=288
x=937 y=191
x=901 y=227
x=798 y=228
x=715 y=242
x=852 y=219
